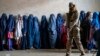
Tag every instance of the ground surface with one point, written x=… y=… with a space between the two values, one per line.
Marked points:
x=40 y=52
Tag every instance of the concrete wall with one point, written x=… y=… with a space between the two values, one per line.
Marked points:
x=45 y=7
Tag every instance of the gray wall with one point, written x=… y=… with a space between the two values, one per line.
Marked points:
x=45 y=7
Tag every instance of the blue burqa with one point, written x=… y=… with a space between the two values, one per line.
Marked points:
x=52 y=31
x=59 y=24
x=44 y=32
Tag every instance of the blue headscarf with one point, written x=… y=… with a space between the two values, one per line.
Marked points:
x=59 y=22
x=11 y=23
x=3 y=22
x=82 y=15
x=36 y=24
x=25 y=24
x=95 y=21
x=52 y=24
x=44 y=23
x=99 y=19
x=30 y=23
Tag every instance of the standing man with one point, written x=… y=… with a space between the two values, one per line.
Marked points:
x=73 y=30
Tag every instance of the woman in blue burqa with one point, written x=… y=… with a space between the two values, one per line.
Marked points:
x=36 y=33
x=44 y=32
x=3 y=25
x=82 y=31
x=30 y=31
x=59 y=24
x=97 y=38
x=24 y=33
x=52 y=31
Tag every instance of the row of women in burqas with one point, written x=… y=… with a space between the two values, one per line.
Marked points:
x=90 y=23
x=26 y=32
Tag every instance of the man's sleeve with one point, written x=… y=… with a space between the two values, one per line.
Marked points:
x=76 y=19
